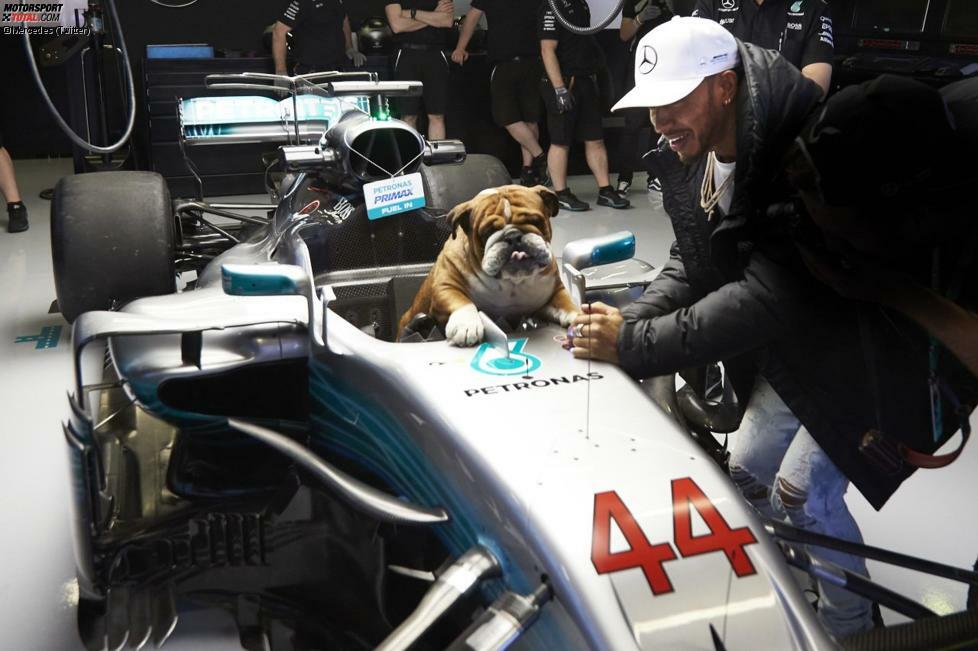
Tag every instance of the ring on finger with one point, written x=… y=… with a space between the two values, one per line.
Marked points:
x=579 y=330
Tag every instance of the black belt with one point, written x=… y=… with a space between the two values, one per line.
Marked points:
x=424 y=47
x=518 y=59
x=319 y=67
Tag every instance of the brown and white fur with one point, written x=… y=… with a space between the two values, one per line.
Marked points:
x=498 y=260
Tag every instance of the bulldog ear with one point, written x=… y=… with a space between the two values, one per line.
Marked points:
x=549 y=199
x=459 y=217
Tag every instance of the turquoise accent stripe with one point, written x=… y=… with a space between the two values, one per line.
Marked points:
x=47 y=338
x=617 y=251
x=361 y=430
x=518 y=362
x=261 y=283
x=389 y=210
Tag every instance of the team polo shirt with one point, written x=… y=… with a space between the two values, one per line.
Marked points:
x=435 y=37
x=578 y=55
x=318 y=29
x=512 y=27
x=801 y=30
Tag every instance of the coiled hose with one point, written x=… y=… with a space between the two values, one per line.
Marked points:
x=585 y=31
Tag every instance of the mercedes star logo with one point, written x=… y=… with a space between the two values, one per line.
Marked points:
x=649 y=59
x=728 y=4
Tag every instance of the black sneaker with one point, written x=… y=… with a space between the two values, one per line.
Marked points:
x=528 y=178
x=18 y=218
x=568 y=201
x=539 y=167
x=607 y=196
x=654 y=185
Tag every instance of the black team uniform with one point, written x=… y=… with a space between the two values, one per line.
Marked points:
x=801 y=30
x=317 y=26
x=635 y=137
x=580 y=57
x=420 y=57
x=514 y=54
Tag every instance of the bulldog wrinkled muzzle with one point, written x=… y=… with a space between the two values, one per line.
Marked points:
x=511 y=250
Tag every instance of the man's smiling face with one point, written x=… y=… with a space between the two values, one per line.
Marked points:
x=694 y=124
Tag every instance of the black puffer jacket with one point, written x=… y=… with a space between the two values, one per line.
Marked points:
x=715 y=297
x=736 y=291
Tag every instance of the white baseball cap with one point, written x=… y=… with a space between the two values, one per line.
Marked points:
x=675 y=57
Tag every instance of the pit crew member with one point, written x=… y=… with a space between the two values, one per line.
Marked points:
x=16 y=210
x=801 y=30
x=638 y=18
x=322 y=34
x=421 y=30
x=570 y=93
x=514 y=54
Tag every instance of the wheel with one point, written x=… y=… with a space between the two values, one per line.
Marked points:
x=446 y=186
x=112 y=239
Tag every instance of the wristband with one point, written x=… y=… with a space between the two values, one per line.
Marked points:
x=414 y=13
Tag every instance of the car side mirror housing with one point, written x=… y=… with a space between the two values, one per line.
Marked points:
x=603 y=249
x=590 y=252
x=264 y=280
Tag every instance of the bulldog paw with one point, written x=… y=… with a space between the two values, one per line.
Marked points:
x=464 y=327
x=563 y=317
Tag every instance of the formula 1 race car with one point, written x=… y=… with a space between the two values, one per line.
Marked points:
x=258 y=442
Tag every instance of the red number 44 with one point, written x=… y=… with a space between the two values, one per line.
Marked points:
x=650 y=558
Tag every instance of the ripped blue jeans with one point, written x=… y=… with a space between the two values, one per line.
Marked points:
x=784 y=474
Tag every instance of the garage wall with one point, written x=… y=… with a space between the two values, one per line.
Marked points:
x=27 y=127
x=231 y=25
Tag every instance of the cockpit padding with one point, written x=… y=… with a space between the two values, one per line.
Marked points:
x=361 y=243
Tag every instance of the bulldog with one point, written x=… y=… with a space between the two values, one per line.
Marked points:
x=497 y=260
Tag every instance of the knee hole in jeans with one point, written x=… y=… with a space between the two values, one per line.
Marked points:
x=791 y=496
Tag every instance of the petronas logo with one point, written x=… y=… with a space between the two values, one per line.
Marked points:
x=796 y=7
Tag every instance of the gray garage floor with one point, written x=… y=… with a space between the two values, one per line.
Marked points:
x=933 y=515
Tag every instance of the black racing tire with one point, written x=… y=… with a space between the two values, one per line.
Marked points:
x=448 y=185
x=112 y=239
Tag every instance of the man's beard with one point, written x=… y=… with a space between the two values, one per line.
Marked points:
x=690 y=161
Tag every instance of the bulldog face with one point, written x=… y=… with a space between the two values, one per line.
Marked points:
x=508 y=229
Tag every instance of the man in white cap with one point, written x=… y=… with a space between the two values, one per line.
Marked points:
x=734 y=289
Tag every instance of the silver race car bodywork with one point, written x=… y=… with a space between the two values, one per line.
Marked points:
x=564 y=471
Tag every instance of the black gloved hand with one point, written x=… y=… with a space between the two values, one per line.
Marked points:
x=650 y=12
x=565 y=101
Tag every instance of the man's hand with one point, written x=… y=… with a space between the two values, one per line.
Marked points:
x=460 y=56
x=446 y=7
x=598 y=325
x=565 y=101
x=651 y=12
x=358 y=58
